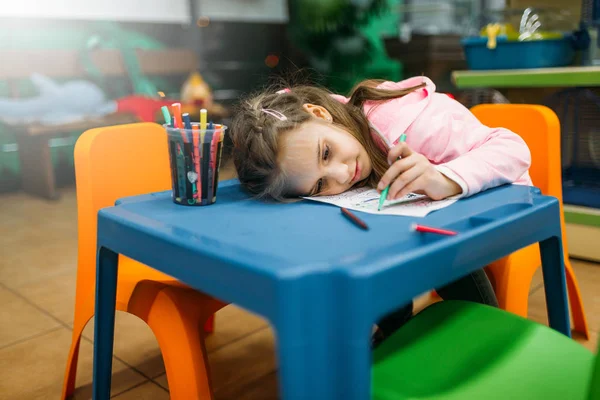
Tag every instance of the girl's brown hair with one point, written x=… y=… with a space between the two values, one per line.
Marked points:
x=256 y=134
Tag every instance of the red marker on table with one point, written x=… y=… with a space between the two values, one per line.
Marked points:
x=428 y=229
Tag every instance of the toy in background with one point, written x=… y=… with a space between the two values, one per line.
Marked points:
x=142 y=99
x=57 y=103
x=142 y=89
x=145 y=108
x=341 y=39
x=80 y=100
x=544 y=38
x=111 y=36
x=195 y=94
x=196 y=91
x=528 y=31
x=73 y=101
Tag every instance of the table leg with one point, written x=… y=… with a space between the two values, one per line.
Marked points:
x=37 y=171
x=104 y=326
x=328 y=359
x=554 y=283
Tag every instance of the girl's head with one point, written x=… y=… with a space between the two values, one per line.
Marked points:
x=301 y=142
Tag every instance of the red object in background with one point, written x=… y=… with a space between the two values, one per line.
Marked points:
x=450 y=95
x=271 y=61
x=145 y=108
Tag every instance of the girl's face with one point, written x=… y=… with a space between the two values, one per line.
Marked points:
x=320 y=158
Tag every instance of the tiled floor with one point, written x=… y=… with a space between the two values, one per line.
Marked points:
x=37 y=280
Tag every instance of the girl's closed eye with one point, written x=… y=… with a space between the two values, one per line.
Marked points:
x=319 y=186
x=326 y=152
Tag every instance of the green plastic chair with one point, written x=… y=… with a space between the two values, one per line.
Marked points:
x=462 y=350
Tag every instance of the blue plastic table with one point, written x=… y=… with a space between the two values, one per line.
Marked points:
x=319 y=280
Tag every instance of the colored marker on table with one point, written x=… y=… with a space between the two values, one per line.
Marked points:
x=191 y=173
x=206 y=137
x=385 y=191
x=196 y=142
x=166 y=115
x=203 y=118
x=213 y=161
x=429 y=229
x=357 y=221
x=176 y=123
x=181 y=170
x=187 y=124
x=176 y=107
x=219 y=153
x=173 y=158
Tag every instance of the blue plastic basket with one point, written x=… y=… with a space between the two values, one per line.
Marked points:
x=515 y=55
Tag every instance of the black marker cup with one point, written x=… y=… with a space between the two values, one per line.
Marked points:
x=195 y=157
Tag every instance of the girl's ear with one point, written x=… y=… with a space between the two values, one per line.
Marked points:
x=317 y=111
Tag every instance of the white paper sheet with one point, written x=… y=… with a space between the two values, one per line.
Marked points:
x=367 y=200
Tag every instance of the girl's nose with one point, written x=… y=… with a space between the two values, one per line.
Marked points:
x=340 y=173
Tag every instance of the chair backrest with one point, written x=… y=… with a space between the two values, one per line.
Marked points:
x=540 y=128
x=110 y=163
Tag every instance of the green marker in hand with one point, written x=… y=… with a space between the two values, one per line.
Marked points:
x=385 y=191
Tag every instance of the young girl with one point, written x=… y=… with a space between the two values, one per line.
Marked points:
x=305 y=141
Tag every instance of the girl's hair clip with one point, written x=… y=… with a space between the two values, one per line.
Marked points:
x=274 y=113
x=282 y=91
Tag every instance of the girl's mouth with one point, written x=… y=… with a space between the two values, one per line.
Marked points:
x=356 y=176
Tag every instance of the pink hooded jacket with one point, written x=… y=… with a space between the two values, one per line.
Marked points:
x=473 y=155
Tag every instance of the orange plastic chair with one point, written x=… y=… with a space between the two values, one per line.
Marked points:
x=540 y=128
x=126 y=160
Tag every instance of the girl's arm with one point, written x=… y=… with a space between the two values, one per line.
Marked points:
x=473 y=155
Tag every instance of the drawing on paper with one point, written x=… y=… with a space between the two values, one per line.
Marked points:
x=367 y=200
x=370 y=200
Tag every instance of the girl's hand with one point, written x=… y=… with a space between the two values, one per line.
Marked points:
x=414 y=173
